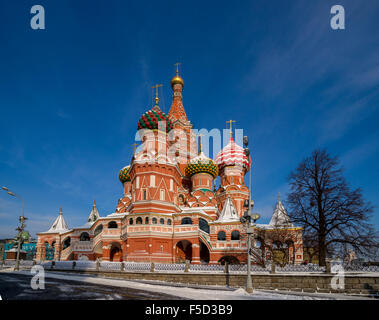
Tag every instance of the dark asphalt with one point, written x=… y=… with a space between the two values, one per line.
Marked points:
x=17 y=287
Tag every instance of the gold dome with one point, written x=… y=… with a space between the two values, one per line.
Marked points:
x=177 y=80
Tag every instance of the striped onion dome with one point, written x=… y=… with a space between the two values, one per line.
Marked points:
x=124 y=174
x=150 y=120
x=201 y=163
x=232 y=155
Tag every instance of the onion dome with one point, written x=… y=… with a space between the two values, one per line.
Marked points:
x=232 y=155
x=124 y=174
x=150 y=120
x=177 y=80
x=202 y=163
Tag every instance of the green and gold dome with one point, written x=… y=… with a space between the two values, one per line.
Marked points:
x=202 y=163
x=124 y=174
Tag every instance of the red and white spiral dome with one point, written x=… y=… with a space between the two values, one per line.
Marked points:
x=232 y=155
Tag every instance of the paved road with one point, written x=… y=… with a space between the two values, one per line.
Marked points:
x=15 y=286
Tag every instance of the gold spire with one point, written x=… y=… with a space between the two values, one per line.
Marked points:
x=177 y=67
x=231 y=130
x=156 y=92
x=279 y=197
x=60 y=211
x=177 y=79
x=94 y=202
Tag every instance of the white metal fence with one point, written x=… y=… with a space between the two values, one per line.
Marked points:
x=181 y=267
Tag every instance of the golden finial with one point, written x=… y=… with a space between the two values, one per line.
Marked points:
x=156 y=92
x=279 y=197
x=94 y=202
x=177 y=79
x=231 y=130
x=177 y=67
x=201 y=143
x=60 y=211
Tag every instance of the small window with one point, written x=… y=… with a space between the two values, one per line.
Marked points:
x=155 y=221
x=203 y=225
x=161 y=221
x=186 y=221
x=169 y=222
x=221 y=236
x=112 y=225
x=130 y=221
x=66 y=242
x=144 y=194
x=162 y=195
x=235 y=235
x=147 y=220
x=84 y=237
x=139 y=220
x=98 y=230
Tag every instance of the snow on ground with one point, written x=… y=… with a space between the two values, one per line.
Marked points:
x=202 y=293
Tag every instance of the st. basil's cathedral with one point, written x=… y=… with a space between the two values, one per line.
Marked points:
x=170 y=210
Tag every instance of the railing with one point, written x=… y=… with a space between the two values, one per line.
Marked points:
x=181 y=267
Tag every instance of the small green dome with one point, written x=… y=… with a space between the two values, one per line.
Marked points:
x=202 y=163
x=124 y=174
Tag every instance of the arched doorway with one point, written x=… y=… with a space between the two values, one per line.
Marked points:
x=204 y=253
x=49 y=251
x=183 y=251
x=229 y=260
x=116 y=252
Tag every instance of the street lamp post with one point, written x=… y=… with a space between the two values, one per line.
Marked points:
x=247 y=218
x=20 y=229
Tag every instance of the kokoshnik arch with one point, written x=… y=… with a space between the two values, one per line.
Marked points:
x=169 y=211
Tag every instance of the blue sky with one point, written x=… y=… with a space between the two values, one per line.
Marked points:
x=71 y=95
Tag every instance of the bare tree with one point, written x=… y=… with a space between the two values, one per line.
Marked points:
x=333 y=216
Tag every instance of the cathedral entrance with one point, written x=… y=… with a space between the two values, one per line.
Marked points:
x=116 y=252
x=204 y=253
x=183 y=251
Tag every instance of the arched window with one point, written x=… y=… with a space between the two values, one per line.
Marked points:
x=66 y=243
x=221 y=236
x=169 y=222
x=139 y=220
x=147 y=220
x=130 y=221
x=161 y=221
x=203 y=225
x=155 y=221
x=98 y=229
x=112 y=225
x=181 y=199
x=144 y=194
x=235 y=235
x=186 y=221
x=84 y=237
